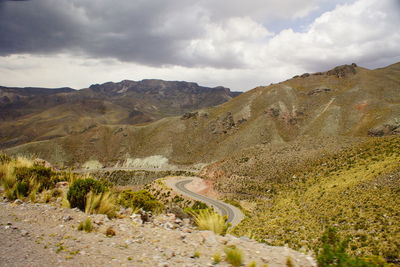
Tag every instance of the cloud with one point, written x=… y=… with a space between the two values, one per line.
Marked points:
x=177 y=32
x=364 y=32
x=211 y=42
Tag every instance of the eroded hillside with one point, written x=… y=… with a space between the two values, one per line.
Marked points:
x=346 y=101
x=36 y=114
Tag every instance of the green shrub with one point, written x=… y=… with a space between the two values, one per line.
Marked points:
x=22 y=189
x=4 y=158
x=198 y=205
x=333 y=253
x=289 y=262
x=216 y=258
x=233 y=256
x=80 y=188
x=196 y=254
x=41 y=174
x=140 y=199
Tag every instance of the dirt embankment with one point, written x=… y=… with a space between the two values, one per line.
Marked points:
x=47 y=235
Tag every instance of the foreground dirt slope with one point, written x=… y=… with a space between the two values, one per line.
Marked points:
x=44 y=235
x=346 y=101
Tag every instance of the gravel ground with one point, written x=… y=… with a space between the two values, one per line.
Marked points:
x=46 y=235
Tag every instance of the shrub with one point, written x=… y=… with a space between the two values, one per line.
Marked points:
x=252 y=264
x=102 y=203
x=86 y=225
x=209 y=220
x=80 y=188
x=4 y=158
x=333 y=252
x=140 y=199
x=22 y=189
x=289 y=262
x=233 y=256
x=39 y=173
x=196 y=254
x=110 y=232
x=216 y=258
x=198 y=205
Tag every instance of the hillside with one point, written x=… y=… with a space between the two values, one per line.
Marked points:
x=346 y=102
x=35 y=114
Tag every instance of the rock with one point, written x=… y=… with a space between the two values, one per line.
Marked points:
x=18 y=201
x=127 y=212
x=62 y=184
x=67 y=218
x=183 y=235
x=24 y=233
x=318 y=90
x=305 y=75
x=169 y=225
x=209 y=238
x=136 y=218
x=110 y=232
x=386 y=129
x=186 y=230
x=179 y=213
x=163 y=264
x=189 y=115
x=42 y=162
x=265 y=259
x=343 y=71
x=99 y=219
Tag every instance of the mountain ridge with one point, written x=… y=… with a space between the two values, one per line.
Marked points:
x=347 y=101
x=33 y=114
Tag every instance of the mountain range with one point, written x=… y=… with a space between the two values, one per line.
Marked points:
x=37 y=114
x=70 y=127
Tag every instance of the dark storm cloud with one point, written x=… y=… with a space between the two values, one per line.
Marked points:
x=127 y=30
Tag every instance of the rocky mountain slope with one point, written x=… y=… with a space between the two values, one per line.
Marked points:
x=346 y=102
x=50 y=237
x=35 y=114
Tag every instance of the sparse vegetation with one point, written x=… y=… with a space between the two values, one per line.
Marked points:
x=216 y=258
x=354 y=188
x=110 y=232
x=102 y=203
x=210 y=220
x=196 y=254
x=333 y=253
x=289 y=262
x=80 y=188
x=233 y=256
x=86 y=225
x=140 y=199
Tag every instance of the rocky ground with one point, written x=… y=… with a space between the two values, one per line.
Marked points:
x=35 y=234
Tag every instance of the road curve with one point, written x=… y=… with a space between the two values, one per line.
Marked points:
x=235 y=216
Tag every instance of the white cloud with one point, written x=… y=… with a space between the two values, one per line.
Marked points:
x=225 y=43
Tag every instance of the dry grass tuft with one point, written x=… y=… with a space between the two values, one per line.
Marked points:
x=102 y=203
x=209 y=220
x=233 y=256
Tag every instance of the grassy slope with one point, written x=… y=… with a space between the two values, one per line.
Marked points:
x=352 y=105
x=355 y=189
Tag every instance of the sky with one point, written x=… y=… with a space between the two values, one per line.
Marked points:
x=233 y=43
